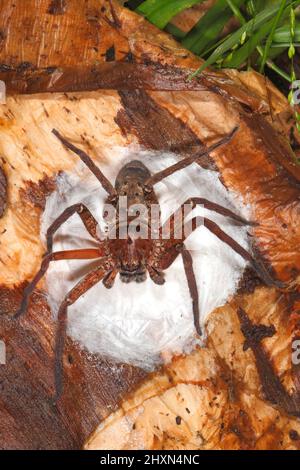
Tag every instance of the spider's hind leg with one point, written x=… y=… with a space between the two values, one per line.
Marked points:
x=87 y=218
x=192 y=283
x=81 y=288
x=60 y=255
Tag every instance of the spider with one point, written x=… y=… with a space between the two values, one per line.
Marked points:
x=132 y=258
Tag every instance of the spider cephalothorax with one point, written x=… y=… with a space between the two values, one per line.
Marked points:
x=134 y=244
x=133 y=207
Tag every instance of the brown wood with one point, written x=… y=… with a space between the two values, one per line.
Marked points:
x=223 y=395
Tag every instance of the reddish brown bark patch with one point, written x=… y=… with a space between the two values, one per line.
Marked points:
x=156 y=128
x=249 y=281
x=110 y=75
x=10 y=298
x=277 y=148
x=37 y=193
x=272 y=386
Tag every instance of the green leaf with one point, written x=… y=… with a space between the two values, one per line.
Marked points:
x=236 y=11
x=176 y=32
x=270 y=37
x=254 y=6
x=209 y=27
x=242 y=54
x=283 y=34
x=149 y=6
x=160 y=12
x=251 y=26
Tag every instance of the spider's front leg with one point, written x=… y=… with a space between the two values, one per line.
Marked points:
x=192 y=283
x=91 y=279
x=86 y=159
x=167 y=250
x=171 y=248
x=192 y=202
x=157 y=177
x=187 y=228
x=60 y=255
x=257 y=264
x=165 y=253
x=87 y=218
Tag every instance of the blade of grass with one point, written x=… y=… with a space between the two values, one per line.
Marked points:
x=209 y=27
x=240 y=56
x=162 y=16
x=234 y=38
x=244 y=53
x=248 y=49
x=213 y=47
x=270 y=37
x=255 y=6
x=160 y=12
x=235 y=11
x=283 y=45
x=237 y=58
x=206 y=35
x=149 y=6
x=283 y=34
x=175 y=31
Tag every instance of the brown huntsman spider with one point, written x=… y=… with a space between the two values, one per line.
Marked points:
x=133 y=258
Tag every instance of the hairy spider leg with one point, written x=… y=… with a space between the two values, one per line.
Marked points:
x=91 y=279
x=256 y=264
x=89 y=253
x=194 y=201
x=157 y=177
x=170 y=249
x=106 y=184
x=87 y=218
x=192 y=284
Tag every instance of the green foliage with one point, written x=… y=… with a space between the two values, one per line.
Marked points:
x=160 y=12
x=255 y=29
x=264 y=31
x=209 y=27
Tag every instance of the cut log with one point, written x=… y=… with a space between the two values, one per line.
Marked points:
x=221 y=396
